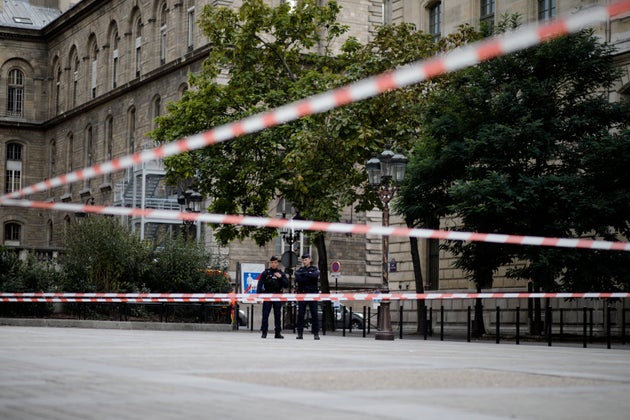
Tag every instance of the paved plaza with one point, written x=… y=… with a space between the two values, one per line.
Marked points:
x=87 y=373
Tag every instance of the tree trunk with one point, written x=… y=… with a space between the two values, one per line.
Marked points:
x=479 y=329
x=536 y=327
x=417 y=273
x=322 y=263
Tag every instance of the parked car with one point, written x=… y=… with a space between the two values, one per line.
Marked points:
x=356 y=321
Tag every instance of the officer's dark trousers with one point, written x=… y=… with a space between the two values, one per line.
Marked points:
x=314 y=318
x=277 y=306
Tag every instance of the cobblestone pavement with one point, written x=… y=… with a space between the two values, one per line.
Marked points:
x=81 y=373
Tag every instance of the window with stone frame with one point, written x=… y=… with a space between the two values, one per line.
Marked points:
x=49 y=233
x=163 y=32
x=156 y=109
x=435 y=19
x=190 y=33
x=109 y=144
x=13 y=164
x=486 y=16
x=58 y=73
x=52 y=169
x=12 y=233
x=15 y=93
x=69 y=159
x=138 y=46
x=115 y=60
x=74 y=77
x=131 y=130
x=546 y=9
x=89 y=152
x=93 y=68
x=386 y=12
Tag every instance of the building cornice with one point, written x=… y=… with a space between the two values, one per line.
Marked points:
x=192 y=57
x=72 y=16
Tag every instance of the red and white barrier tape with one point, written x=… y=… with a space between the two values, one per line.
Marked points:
x=330 y=227
x=284 y=297
x=411 y=74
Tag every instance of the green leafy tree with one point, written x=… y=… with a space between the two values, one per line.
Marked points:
x=102 y=255
x=10 y=266
x=273 y=56
x=529 y=144
x=28 y=275
x=182 y=266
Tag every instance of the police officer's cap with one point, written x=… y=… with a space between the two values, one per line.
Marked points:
x=273 y=258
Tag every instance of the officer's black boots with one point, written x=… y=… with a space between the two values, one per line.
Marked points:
x=278 y=335
x=264 y=334
x=316 y=336
x=299 y=335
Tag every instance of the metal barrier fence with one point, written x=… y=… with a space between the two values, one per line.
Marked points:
x=585 y=324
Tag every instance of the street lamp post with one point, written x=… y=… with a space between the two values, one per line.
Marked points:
x=289 y=261
x=189 y=201
x=386 y=172
x=290 y=258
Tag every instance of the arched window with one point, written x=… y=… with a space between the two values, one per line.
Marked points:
x=12 y=233
x=89 y=152
x=131 y=130
x=109 y=144
x=138 y=46
x=183 y=88
x=156 y=109
x=53 y=159
x=89 y=144
x=190 y=26
x=93 y=68
x=49 y=233
x=13 y=178
x=15 y=93
x=115 y=41
x=69 y=158
x=66 y=224
x=58 y=89
x=163 y=29
x=74 y=77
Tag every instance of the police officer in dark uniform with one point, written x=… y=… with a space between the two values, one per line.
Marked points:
x=272 y=280
x=306 y=278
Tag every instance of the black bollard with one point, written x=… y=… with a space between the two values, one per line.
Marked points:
x=400 y=308
x=426 y=321
x=518 y=324
x=584 y=317
x=548 y=322
x=442 y=323
x=608 y=323
x=498 y=325
x=623 y=324
x=365 y=319
x=431 y=321
x=468 y=324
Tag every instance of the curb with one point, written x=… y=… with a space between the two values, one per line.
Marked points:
x=115 y=325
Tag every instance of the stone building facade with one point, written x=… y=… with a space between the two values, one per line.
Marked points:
x=80 y=83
